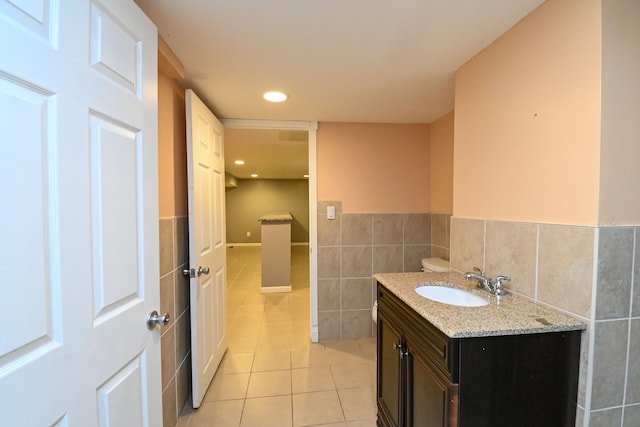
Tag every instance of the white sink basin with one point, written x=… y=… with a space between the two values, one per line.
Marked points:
x=451 y=296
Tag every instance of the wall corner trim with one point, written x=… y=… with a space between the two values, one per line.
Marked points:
x=168 y=63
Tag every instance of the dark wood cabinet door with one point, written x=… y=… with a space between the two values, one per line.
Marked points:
x=390 y=371
x=431 y=397
x=520 y=380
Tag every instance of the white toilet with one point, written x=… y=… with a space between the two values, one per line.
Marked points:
x=429 y=265
x=435 y=265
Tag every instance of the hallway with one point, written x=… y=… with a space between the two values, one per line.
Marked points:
x=272 y=375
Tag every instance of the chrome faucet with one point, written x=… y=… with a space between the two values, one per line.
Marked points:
x=493 y=287
x=484 y=281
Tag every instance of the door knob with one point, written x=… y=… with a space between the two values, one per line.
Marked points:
x=154 y=319
x=193 y=272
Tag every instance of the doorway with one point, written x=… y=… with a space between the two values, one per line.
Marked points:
x=277 y=134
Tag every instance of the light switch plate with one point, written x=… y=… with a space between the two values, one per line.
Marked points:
x=331 y=212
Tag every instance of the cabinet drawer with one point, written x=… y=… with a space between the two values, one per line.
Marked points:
x=433 y=344
x=424 y=336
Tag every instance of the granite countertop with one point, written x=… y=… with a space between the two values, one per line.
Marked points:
x=276 y=217
x=510 y=315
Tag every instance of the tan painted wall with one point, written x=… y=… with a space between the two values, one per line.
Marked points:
x=527 y=123
x=441 y=144
x=620 y=174
x=172 y=154
x=374 y=168
x=255 y=198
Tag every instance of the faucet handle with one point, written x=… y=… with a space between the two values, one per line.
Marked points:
x=478 y=270
x=499 y=289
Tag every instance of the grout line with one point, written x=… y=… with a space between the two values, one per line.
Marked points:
x=591 y=330
x=536 y=278
x=484 y=246
x=629 y=324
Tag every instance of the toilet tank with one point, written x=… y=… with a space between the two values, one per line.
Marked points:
x=435 y=265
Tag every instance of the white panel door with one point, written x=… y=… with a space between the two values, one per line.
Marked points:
x=207 y=243
x=79 y=214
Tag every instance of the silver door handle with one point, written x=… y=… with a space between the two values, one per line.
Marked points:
x=401 y=351
x=192 y=272
x=154 y=319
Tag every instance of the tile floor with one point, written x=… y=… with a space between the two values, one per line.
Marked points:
x=272 y=375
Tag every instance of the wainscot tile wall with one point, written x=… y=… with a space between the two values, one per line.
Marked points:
x=353 y=247
x=592 y=273
x=174 y=299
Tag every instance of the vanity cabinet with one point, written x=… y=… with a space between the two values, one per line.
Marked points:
x=415 y=387
x=426 y=379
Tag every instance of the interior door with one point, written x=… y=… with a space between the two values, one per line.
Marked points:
x=207 y=243
x=79 y=214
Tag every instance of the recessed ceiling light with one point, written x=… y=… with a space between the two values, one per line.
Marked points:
x=275 y=96
x=254 y=175
x=239 y=162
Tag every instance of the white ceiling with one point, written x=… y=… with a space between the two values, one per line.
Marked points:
x=270 y=153
x=386 y=61
x=389 y=61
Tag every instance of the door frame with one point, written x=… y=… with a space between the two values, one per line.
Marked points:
x=312 y=128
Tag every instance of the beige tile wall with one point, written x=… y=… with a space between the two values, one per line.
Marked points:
x=563 y=266
x=353 y=247
x=174 y=299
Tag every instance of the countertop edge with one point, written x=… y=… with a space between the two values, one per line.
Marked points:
x=514 y=315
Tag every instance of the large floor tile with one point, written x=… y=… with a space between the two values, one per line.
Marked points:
x=271 y=360
x=267 y=412
x=269 y=330
x=242 y=344
x=272 y=383
x=367 y=423
x=276 y=317
x=242 y=330
x=358 y=403
x=253 y=300
x=301 y=327
x=305 y=380
x=300 y=340
x=248 y=318
x=236 y=363
x=313 y=355
x=322 y=407
x=368 y=347
x=249 y=309
x=344 y=352
x=227 y=387
x=224 y=413
x=353 y=375
x=331 y=425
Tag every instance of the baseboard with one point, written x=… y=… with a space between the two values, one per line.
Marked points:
x=274 y=289
x=230 y=245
